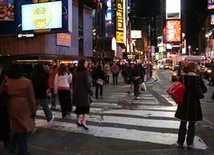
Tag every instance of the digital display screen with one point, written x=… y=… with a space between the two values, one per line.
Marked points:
x=173 y=31
x=212 y=19
x=42 y=16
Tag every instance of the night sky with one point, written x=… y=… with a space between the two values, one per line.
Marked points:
x=193 y=22
x=191 y=7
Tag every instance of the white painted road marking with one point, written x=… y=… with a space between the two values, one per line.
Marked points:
x=164 y=119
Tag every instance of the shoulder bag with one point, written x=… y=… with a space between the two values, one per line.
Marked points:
x=100 y=81
x=176 y=91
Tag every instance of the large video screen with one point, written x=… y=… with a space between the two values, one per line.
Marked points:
x=173 y=9
x=42 y=16
x=173 y=31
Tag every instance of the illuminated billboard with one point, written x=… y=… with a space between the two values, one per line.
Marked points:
x=173 y=31
x=119 y=22
x=173 y=9
x=212 y=19
x=16 y=27
x=42 y=16
x=210 y=4
x=136 y=34
x=7 y=10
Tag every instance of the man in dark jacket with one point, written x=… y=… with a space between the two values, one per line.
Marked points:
x=40 y=85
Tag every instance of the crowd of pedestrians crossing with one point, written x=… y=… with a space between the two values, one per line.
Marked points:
x=72 y=85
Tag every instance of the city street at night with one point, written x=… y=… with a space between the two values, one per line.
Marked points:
x=119 y=125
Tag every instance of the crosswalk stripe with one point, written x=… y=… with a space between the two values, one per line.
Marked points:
x=125 y=134
x=131 y=118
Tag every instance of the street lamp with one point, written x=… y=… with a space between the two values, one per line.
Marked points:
x=189 y=47
x=208 y=51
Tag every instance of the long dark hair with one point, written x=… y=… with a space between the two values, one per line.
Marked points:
x=80 y=65
x=62 y=70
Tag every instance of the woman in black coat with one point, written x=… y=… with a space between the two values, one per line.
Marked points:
x=81 y=93
x=99 y=74
x=190 y=111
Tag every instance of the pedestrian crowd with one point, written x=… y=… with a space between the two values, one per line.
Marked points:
x=71 y=85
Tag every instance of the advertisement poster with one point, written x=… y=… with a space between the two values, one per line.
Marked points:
x=6 y=10
x=210 y=4
x=173 y=31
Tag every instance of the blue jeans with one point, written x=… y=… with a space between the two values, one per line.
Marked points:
x=44 y=104
x=53 y=98
x=190 y=133
x=20 y=140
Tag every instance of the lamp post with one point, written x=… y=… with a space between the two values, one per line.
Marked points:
x=208 y=51
x=189 y=47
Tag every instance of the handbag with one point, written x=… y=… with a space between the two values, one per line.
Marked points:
x=99 y=81
x=176 y=91
x=143 y=87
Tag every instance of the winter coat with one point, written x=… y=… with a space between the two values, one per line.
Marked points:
x=62 y=82
x=81 y=88
x=40 y=84
x=136 y=75
x=190 y=110
x=115 y=69
x=22 y=104
x=99 y=73
x=52 y=74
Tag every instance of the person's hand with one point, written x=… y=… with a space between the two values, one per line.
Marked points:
x=48 y=92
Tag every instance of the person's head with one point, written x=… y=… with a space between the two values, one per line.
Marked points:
x=82 y=64
x=39 y=67
x=62 y=69
x=15 y=71
x=54 y=62
x=191 y=67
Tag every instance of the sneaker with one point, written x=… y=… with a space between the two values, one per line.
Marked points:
x=51 y=122
x=51 y=119
x=136 y=98
x=67 y=117
x=68 y=114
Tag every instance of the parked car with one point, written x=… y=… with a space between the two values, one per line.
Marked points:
x=174 y=76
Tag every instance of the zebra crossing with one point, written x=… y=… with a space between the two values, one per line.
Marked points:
x=141 y=120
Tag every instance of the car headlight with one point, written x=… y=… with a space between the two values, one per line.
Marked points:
x=209 y=71
x=174 y=74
